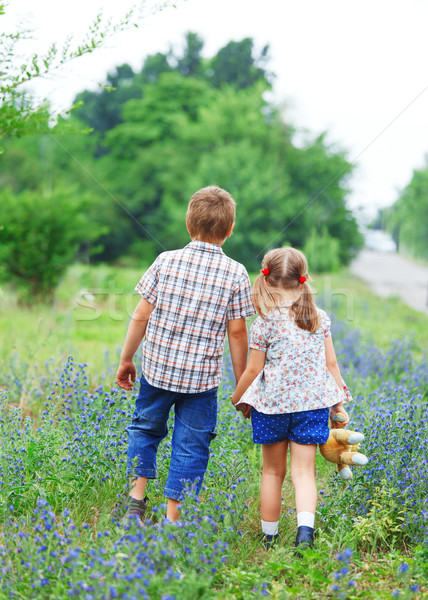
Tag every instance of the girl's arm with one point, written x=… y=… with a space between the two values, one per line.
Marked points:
x=256 y=363
x=136 y=331
x=333 y=367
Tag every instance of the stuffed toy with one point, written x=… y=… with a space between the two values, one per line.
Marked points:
x=342 y=447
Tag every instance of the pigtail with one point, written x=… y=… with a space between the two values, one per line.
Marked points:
x=305 y=310
x=265 y=297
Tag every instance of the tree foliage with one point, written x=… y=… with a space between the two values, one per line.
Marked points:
x=183 y=122
x=18 y=114
x=407 y=219
x=39 y=237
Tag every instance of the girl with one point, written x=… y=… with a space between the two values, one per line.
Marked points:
x=290 y=386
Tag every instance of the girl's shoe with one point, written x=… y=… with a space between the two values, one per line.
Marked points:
x=268 y=540
x=305 y=535
x=138 y=508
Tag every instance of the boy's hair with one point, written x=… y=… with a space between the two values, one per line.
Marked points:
x=285 y=266
x=210 y=214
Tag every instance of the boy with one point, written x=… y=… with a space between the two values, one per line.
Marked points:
x=190 y=298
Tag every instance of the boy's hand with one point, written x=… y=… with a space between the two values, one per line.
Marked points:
x=245 y=409
x=125 y=371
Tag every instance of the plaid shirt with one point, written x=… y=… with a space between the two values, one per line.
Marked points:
x=196 y=291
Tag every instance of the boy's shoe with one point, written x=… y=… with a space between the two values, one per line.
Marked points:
x=138 y=508
x=304 y=537
x=268 y=540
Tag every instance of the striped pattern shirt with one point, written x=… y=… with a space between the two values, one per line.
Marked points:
x=195 y=290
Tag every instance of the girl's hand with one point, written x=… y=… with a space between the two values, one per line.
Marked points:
x=245 y=409
x=125 y=371
x=335 y=410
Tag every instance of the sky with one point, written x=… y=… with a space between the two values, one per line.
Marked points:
x=354 y=69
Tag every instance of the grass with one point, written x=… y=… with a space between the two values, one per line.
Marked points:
x=93 y=306
x=383 y=319
x=68 y=449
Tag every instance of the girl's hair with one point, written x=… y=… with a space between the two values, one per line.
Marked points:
x=286 y=266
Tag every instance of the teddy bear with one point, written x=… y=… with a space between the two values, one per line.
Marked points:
x=341 y=448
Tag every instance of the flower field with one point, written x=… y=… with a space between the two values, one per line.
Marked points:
x=63 y=493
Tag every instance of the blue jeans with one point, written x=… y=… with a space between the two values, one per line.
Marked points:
x=194 y=425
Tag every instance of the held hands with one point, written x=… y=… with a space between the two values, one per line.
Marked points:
x=126 y=371
x=244 y=408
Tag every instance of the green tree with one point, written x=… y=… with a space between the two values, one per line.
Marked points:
x=407 y=219
x=149 y=160
x=191 y=63
x=183 y=133
x=102 y=110
x=39 y=237
x=236 y=65
x=319 y=177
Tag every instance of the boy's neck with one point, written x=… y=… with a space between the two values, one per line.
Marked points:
x=208 y=241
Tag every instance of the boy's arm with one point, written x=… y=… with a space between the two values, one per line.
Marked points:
x=333 y=367
x=238 y=345
x=135 y=333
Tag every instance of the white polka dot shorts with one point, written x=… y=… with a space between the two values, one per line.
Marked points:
x=305 y=427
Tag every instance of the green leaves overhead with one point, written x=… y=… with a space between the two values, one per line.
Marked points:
x=182 y=123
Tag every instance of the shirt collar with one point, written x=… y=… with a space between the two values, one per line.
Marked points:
x=204 y=246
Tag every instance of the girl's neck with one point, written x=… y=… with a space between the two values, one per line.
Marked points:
x=291 y=296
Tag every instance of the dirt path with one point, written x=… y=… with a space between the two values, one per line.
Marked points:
x=392 y=275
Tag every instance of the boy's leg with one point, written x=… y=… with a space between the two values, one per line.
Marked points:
x=172 y=512
x=195 y=421
x=273 y=473
x=138 y=487
x=147 y=430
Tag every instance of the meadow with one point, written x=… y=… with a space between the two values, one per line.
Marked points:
x=63 y=451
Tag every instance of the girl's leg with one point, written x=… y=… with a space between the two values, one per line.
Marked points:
x=302 y=470
x=273 y=473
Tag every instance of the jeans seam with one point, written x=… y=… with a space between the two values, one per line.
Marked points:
x=209 y=430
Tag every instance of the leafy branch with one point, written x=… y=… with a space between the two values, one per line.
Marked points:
x=17 y=114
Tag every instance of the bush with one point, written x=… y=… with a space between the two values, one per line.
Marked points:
x=322 y=252
x=40 y=235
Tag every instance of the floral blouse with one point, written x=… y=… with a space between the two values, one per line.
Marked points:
x=295 y=376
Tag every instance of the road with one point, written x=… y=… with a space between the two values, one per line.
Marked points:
x=393 y=275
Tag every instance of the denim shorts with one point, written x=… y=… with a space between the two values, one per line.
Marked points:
x=306 y=427
x=194 y=427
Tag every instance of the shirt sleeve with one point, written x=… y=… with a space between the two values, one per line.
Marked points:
x=240 y=304
x=147 y=287
x=258 y=340
x=325 y=324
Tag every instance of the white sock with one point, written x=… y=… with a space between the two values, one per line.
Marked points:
x=270 y=528
x=305 y=518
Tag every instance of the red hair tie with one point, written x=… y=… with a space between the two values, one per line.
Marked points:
x=265 y=272
x=302 y=279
